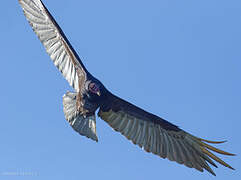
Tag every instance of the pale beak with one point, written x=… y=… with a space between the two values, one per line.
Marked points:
x=98 y=93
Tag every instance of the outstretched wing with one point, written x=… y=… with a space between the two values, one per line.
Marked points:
x=55 y=42
x=158 y=136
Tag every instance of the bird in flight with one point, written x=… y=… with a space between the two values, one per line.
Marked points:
x=148 y=131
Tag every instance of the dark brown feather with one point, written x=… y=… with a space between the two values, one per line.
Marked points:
x=116 y=104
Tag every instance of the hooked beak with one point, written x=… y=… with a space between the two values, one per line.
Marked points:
x=98 y=93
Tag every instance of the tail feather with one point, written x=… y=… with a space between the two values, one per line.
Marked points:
x=85 y=126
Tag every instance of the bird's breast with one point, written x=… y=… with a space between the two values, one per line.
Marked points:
x=89 y=104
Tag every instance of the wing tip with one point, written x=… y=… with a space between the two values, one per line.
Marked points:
x=209 y=156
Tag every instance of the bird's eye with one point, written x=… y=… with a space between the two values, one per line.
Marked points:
x=94 y=88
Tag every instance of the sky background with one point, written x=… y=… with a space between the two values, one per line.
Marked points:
x=178 y=59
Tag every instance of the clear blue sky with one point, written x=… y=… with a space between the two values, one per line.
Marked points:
x=178 y=59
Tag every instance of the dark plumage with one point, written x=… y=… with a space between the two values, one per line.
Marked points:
x=147 y=130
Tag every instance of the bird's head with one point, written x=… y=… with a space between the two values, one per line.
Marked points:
x=94 y=88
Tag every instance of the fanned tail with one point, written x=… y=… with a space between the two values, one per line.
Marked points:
x=85 y=126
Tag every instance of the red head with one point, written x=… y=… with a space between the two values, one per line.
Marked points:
x=94 y=88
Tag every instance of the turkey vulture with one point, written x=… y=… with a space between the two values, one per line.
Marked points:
x=148 y=131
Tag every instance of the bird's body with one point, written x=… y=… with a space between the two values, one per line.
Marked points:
x=150 y=132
